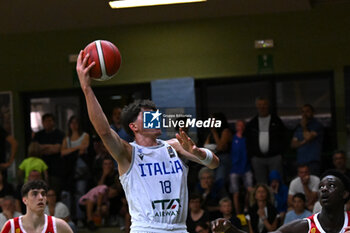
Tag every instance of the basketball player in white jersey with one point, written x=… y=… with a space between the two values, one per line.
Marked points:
x=334 y=191
x=152 y=171
x=35 y=221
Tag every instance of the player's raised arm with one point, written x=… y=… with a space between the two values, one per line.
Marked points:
x=188 y=149
x=118 y=148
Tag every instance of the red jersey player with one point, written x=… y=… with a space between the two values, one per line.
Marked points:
x=34 y=197
x=334 y=191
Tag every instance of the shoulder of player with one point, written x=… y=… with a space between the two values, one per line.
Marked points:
x=62 y=226
x=175 y=144
x=300 y=225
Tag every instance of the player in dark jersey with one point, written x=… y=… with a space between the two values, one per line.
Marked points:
x=34 y=197
x=334 y=192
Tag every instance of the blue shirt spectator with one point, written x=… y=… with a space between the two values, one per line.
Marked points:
x=280 y=191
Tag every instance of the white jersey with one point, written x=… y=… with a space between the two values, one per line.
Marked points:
x=156 y=189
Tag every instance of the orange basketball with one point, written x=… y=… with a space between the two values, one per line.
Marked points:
x=107 y=59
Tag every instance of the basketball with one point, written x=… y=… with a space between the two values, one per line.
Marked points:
x=106 y=57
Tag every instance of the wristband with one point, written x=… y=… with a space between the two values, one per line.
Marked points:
x=208 y=157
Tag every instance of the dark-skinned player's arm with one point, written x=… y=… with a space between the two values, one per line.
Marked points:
x=223 y=225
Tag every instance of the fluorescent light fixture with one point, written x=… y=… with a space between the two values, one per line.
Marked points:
x=140 y=3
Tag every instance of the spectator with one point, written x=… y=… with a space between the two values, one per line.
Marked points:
x=74 y=151
x=8 y=210
x=116 y=125
x=307 y=139
x=5 y=137
x=196 y=213
x=96 y=204
x=212 y=191
x=262 y=215
x=50 y=140
x=280 y=192
x=298 y=211
x=266 y=141
x=58 y=209
x=33 y=163
x=219 y=141
x=227 y=212
x=306 y=184
x=339 y=162
x=6 y=189
x=240 y=167
x=100 y=154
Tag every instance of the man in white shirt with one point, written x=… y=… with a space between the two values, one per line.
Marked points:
x=306 y=184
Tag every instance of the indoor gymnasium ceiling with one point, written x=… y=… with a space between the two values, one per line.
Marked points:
x=21 y=16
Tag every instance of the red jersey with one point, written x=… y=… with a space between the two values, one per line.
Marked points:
x=15 y=225
x=315 y=226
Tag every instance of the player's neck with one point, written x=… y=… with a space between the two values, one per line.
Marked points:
x=332 y=217
x=33 y=221
x=145 y=141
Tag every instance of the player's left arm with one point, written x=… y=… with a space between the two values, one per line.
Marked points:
x=186 y=148
x=62 y=226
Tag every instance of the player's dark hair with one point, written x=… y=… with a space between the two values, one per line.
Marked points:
x=35 y=184
x=343 y=178
x=131 y=111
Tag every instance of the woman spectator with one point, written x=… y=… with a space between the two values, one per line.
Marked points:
x=74 y=152
x=262 y=215
x=196 y=213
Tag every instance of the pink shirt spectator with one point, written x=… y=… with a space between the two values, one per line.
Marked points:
x=93 y=194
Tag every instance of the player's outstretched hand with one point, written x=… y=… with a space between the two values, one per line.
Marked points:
x=220 y=225
x=187 y=143
x=83 y=69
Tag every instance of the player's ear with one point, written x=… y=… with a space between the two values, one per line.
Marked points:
x=133 y=126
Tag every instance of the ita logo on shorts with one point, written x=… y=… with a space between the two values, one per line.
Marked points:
x=151 y=120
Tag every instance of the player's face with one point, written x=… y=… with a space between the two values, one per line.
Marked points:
x=331 y=191
x=35 y=200
x=142 y=131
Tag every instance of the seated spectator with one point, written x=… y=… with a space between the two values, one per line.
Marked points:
x=306 y=184
x=33 y=162
x=227 y=212
x=196 y=213
x=58 y=209
x=240 y=167
x=8 y=206
x=202 y=227
x=211 y=191
x=100 y=154
x=339 y=162
x=280 y=192
x=298 y=211
x=96 y=204
x=262 y=215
